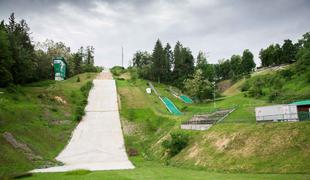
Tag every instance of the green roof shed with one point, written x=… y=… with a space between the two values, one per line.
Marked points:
x=60 y=68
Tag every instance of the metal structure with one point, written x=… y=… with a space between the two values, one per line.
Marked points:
x=282 y=112
x=205 y=121
x=60 y=68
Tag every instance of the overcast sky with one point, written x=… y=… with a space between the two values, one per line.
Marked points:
x=220 y=28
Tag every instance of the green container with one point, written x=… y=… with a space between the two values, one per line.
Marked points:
x=60 y=68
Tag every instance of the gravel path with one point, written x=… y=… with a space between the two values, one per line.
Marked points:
x=97 y=142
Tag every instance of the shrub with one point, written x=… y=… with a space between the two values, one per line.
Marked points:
x=308 y=77
x=5 y=77
x=245 y=86
x=85 y=88
x=12 y=88
x=178 y=141
x=78 y=79
x=79 y=113
x=133 y=152
x=117 y=70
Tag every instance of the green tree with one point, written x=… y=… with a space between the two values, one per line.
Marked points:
x=225 y=71
x=235 y=64
x=77 y=59
x=158 y=58
x=289 y=51
x=168 y=62
x=5 y=58
x=178 y=60
x=142 y=60
x=247 y=62
x=24 y=66
x=198 y=86
x=89 y=55
x=201 y=60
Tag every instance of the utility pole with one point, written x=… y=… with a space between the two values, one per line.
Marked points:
x=122 y=56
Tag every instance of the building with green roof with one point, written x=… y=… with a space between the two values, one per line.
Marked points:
x=303 y=109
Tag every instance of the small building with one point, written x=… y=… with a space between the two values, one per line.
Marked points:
x=60 y=68
x=303 y=109
x=281 y=112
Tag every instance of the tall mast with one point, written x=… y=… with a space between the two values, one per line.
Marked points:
x=122 y=56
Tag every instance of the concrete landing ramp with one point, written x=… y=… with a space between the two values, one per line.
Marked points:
x=97 y=142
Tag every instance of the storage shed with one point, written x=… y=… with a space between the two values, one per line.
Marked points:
x=303 y=109
x=280 y=112
x=60 y=68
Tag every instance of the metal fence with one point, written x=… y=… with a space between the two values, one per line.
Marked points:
x=300 y=116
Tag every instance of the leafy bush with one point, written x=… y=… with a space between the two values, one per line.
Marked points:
x=79 y=110
x=79 y=113
x=117 y=70
x=85 y=88
x=178 y=141
x=5 y=77
x=78 y=79
x=12 y=88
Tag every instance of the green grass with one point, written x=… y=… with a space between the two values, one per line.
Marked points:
x=31 y=114
x=152 y=170
x=236 y=148
x=239 y=132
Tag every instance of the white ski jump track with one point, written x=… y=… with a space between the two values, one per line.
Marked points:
x=97 y=142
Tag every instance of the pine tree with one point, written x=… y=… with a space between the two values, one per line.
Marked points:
x=201 y=60
x=158 y=58
x=178 y=60
x=24 y=66
x=168 y=62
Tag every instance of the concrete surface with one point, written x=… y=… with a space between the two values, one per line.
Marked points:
x=97 y=142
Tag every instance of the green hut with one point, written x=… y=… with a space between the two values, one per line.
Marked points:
x=60 y=68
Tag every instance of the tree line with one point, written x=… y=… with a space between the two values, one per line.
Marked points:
x=288 y=53
x=22 y=61
x=285 y=85
x=178 y=67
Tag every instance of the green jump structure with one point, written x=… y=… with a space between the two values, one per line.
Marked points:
x=186 y=99
x=167 y=102
x=170 y=106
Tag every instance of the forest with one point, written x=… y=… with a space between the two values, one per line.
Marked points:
x=197 y=77
x=24 y=61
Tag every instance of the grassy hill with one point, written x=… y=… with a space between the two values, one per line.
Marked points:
x=237 y=144
x=226 y=151
x=36 y=121
x=236 y=148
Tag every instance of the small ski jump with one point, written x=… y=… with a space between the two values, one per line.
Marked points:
x=167 y=102
x=184 y=98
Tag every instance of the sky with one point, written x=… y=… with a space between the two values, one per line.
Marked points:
x=218 y=28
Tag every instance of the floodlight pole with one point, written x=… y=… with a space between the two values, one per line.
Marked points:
x=213 y=94
x=122 y=56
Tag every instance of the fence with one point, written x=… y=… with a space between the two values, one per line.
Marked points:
x=301 y=116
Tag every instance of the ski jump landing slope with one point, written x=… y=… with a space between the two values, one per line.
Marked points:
x=97 y=142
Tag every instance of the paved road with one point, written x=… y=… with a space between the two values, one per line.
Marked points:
x=97 y=142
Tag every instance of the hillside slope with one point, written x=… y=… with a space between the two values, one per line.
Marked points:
x=37 y=120
x=237 y=144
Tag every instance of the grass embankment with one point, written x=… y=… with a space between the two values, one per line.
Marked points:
x=237 y=144
x=225 y=151
x=154 y=171
x=40 y=116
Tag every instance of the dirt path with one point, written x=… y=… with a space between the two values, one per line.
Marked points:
x=97 y=142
